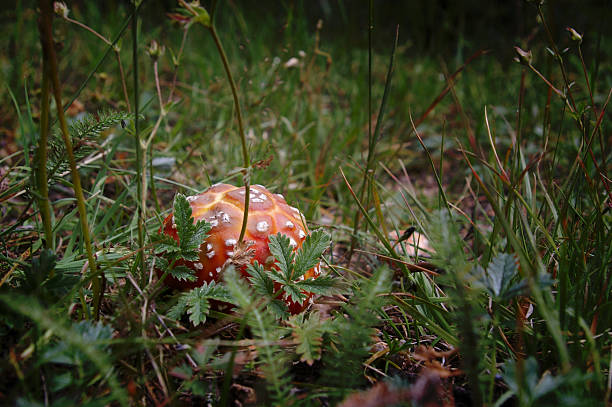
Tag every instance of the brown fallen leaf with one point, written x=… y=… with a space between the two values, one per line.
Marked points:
x=427 y=391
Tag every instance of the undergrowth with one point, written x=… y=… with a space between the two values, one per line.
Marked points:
x=461 y=213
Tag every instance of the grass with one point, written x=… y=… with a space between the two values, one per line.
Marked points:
x=468 y=204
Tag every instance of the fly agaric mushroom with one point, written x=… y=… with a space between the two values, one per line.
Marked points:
x=222 y=206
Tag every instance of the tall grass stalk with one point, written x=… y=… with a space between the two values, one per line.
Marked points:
x=42 y=153
x=111 y=45
x=245 y=150
x=49 y=53
x=201 y=16
x=373 y=137
x=140 y=169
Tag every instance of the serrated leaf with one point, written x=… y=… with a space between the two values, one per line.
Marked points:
x=308 y=334
x=164 y=244
x=259 y=279
x=183 y=273
x=197 y=309
x=324 y=285
x=163 y=248
x=199 y=233
x=182 y=216
x=308 y=255
x=177 y=310
x=279 y=308
x=189 y=255
x=497 y=278
x=195 y=302
x=294 y=291
x=191 y=234
x=278 y=277
x=283 y=253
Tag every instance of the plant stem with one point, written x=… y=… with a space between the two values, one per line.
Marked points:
x=117 y=55
x=42 y=185
x=245 y=151
x=47 y=38
x=357 y=216
x=141 y=178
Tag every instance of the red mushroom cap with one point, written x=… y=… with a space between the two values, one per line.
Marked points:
x=222 y=206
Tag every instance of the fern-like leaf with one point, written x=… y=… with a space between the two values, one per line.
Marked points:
x=308 y=335
x=308 y=255
x=264 y=327
x=83 y=133
x=196 y=303
x=283 y=253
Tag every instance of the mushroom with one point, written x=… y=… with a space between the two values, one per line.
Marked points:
x=222 y=206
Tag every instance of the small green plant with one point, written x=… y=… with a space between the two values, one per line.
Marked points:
x=190 y=235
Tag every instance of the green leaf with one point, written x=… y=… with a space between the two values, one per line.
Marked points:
x=191 y=234
x=183 y=273
x=497 y=278
x=283 y=253
x=308 y=334
x=324 y=285
x=164 y=243
x=263 y=285
x=294 y=291
x=259 y=279
x=279 y=308
x=308 y=255
x=198 y=308
x=199 y=233
x=278 y=277
x=191 y=255
x=264 y=328
x=195 y=302
x=177 y=310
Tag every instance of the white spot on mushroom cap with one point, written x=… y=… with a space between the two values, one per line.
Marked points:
x=230 y=242
x=230 y=253
x=213 y=222
x=198 y=265
x=225 y=218
x=191 y=198
x=256 y=200
x=209 y=246
x=263 y=197
x=262 y=226
x=292 y=242
x=218 y=269
x=289 y=224
x=301 y=234
x=210 y=254
x=280 y=196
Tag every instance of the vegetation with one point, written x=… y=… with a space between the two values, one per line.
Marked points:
x=459 y=201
